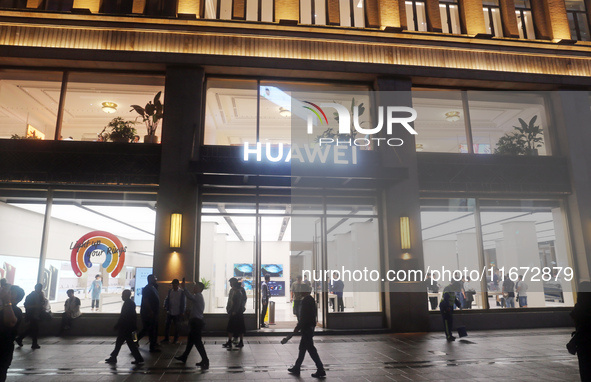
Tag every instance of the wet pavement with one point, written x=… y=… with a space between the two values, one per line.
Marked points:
x=511 y=355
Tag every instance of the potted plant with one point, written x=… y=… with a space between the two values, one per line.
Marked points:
x=524 y=141
x=151 y=115
x=120 y=130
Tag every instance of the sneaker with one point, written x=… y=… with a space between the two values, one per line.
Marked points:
x=203 y=364
x=111 y=360
x=227 y=345
x=19 y=342
x=181 y=358
x=35 y=346
x=137 y=362
x=294 y=371
x=320 y=373
x=235 y=340
x=452 y=338
x=264 y=326
x=240 y=344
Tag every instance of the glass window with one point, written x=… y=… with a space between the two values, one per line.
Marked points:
x=492 y=18
x=496 y=117
x=525 y=22
x=416 y=18
x=450 y=243
x=450 y=16
x=527 y=236
x=313 y=12
x=440 y=121
x=578 y=20
x=29 y=104
x=93 y=101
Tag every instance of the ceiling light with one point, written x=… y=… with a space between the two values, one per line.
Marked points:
x=284 y=112
x=419 y=147
x=109 y=107
x=452 y=116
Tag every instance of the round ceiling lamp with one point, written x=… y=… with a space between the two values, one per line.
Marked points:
x=284 y=112
x=452 y=116
x=109 y=107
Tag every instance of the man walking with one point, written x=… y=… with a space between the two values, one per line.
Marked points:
x=306 y=324
x=296 y=295
x=196 y=325
x=34 y=305
x=174 y=304
x=125 y=326
x=265 y=296
x=149 y=313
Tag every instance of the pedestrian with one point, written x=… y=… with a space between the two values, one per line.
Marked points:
x=338 y=286
x=195 y=325
x=235 y=308
x=126 y=325
x=432 y=287
x=149 y=313
x=521 y=288
x=95 y=292
x=509 y=293
x=469 y=293
x=265 y=297
x=306 y=324
x=10 y=318
x=447 y=311
x=174 y=304
x=296 y=295
x=34 y=307
x=581 y=314
x=71 y=310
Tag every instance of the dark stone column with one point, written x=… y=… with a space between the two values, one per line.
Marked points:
x=405 y=302
x=178 y=192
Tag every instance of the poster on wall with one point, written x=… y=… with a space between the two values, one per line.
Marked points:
x=141 y=280
x=97 y=247
x=242 y=270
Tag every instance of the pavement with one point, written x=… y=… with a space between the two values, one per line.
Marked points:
x=510 y=355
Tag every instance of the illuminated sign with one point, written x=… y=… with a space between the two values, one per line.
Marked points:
x=306 y=154
x=97 y=247
x=33 y=133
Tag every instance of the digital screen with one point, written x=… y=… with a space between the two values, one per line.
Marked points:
x=277 y=288
x=243 y=270
x=274 y=270
x=141 y=280
x=247 y=284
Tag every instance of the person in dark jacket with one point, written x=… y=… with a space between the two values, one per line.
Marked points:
x=581 y=314
x=446 y=306
x=34 y=305
x=196 y=324
x=235 y=308
x=10 y=319
x=306 y=324
x=149 y=313
x=125 y=326
x=265 y=297
x=174 y=304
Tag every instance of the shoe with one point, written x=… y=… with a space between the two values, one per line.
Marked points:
x=240 y=344
x=155 y=350
x=294 y=371
x=137 y=362
x=111 y=360
x=164 y=341
x=203 y=364
x=35 y=346
x=19 y=342
x=181 y=358
x=450 y=339
x=235 y=340
x=264 y=326
x=320 y=373
x=227 y=345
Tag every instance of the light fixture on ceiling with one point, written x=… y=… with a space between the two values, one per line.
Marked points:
x=419 y=147
x=284 y=112
x=109 y=107
x=452 y=116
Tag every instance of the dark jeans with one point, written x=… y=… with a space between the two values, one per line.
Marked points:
x=32 y=330
x=6 y=351
x=584 y=355
x=126 y=337
x=194 y=338
x=175 y=320
x=264 y=312
x=297 y=307
x=93 y=303
x=340 y=303
x=307 y=345
x=448 y=324
x=149 y=327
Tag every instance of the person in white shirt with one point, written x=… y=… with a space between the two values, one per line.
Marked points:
x=521 y=289
x=174 y=304
x=71 y=310
x=196 y=325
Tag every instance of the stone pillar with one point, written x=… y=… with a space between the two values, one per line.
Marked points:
x=433 y=16
x=561 y=249
x=405 y=302
x=287 y=10
x=557 y=20
x=239 y=9
x=372 y=13
x=392 y=14
x=510 y=28
x=178 y=192
x=540 y=19
x=472 y=16
x=333 y=12
x=572 y=114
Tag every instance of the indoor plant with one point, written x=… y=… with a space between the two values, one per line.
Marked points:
x=524 y=141
x=151 y=114
x=120 y=130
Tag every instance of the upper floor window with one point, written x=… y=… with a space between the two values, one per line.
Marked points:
x=524 y=19
x=416 y=18
x=352 y=13
x=313 y=12
x=450 y=16
x=492 y=17
x=578 y=20
x=252 y=10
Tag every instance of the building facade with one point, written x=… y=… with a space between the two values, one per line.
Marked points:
x=468 y=192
